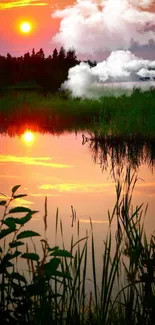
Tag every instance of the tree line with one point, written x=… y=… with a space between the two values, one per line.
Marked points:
x=36 y=69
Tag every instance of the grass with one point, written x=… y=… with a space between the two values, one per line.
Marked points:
x=122 y=116
x=53 y=290
x=120 y=150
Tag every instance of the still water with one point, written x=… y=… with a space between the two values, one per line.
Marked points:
x=71 y=171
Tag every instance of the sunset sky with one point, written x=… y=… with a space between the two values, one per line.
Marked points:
x=138 y=15
x=39 y=14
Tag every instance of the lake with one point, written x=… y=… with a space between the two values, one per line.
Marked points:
x=70 y=170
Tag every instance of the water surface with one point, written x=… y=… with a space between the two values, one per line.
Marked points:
x=70 y=173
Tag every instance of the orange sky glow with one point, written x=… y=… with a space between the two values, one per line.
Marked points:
x=58 y=167
x=66 y=175
x=44 y=27
x=38 y=13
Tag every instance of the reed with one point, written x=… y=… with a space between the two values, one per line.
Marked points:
x=54 y=288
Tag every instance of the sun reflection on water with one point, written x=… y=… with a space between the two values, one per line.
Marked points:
x=28 y=137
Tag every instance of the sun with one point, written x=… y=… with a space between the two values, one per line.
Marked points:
x=28 y=136
x=25 y=27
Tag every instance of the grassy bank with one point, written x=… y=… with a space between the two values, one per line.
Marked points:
x=52 y=289
x=125 y=115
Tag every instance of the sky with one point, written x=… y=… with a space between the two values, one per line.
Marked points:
x=39 y=14
x=93 y=27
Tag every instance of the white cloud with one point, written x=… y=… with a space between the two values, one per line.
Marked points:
x=120 y=66
x=141 y=3
x=143 y=73
x=90 y=26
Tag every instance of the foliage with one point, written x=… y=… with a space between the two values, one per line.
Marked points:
x=33 y=70
x=27 y=299
x=54 y=290
x=123 y=116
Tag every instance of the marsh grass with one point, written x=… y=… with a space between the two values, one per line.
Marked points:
x=54 y=289
x=124 y=115
x=115 y=152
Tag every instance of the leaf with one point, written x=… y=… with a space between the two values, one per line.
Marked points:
x=27 y=217
x=9 y=256
x=5 y=232
x=16 y=244
x=27 y=233
x=35 y=289
x=50 y=268
x=22 y=221
x=53 y=248
x=61 y=253
x=19 y=196
x=10 y=222
x=63 y=275
x=4 y=265
x=31 y=256
x=19 y=210
x=17 y=276
x=15 y=188
x=3 y=202
x=18 y=290
x=3 y=286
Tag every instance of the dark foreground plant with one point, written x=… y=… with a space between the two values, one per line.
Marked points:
x=54 y=290
x=134 y=303
x=27 y=299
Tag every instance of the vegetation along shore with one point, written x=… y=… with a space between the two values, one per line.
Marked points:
x=122 y=116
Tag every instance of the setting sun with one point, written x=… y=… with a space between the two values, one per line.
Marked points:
x=25 y=27
x=28 y=136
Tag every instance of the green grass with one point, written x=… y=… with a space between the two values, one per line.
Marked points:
x=53 y=289
x=122 y=116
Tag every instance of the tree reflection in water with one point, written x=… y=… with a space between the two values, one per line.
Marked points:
x=114 y=152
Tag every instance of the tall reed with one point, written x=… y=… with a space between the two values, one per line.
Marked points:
x=54 y=290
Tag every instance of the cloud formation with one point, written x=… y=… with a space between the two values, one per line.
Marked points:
x=21 y=3
x=90 y=26
x=73 y=187
x=93 y=221
x=36 y=161
x=21 y=202
x=17 y=202
x=121 y=66
x=43 y=194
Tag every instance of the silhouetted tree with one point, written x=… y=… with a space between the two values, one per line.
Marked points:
x=55 y=55
x=40 y=54
x=62 y=54
x=48 y=72
x=33 y=53
x=71 y=56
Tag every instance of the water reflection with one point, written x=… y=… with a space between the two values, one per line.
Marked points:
x=28 y=136
x=60 y=168
x=111 y=152
x=107 y=151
